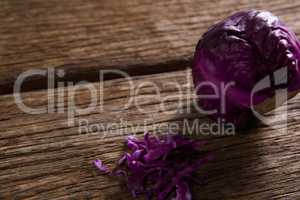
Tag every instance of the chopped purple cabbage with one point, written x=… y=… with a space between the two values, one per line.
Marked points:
x=159 y=167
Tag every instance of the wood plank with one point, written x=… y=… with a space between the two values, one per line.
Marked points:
x=42 y=157
x=139 y=37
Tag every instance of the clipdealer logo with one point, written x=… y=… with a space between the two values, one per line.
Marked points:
x=61 y=98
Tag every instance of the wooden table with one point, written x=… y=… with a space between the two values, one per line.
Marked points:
x=45 y=156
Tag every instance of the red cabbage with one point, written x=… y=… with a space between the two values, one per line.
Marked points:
x=244 y=49
x=159 y=167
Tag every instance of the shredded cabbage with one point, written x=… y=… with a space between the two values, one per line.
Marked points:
x=159 y=167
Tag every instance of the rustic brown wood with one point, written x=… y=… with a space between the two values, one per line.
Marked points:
x=42 y=157
x=139 y=37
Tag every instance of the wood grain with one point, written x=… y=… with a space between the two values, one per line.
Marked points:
x=139 y=37
x=42 y=157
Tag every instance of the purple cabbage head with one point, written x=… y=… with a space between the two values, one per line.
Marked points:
x=159 y=167
x=235 y=55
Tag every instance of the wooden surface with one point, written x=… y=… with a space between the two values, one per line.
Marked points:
x=139 y=37
x=44 y=157
x=41 y=155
